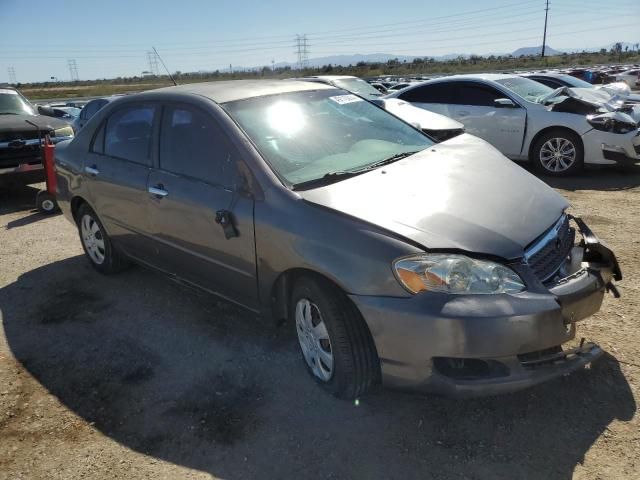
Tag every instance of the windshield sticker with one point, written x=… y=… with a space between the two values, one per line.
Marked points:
x=343 y=99
x=7 y=91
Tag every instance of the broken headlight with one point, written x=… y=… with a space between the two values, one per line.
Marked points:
x=615 y=122
x=457 y=274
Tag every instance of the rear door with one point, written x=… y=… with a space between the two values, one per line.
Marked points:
x=191 y=186
x=504 y=128
x=435 y=97
x=116 y=170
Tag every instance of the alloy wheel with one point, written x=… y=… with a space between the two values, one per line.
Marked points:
x=557 y=154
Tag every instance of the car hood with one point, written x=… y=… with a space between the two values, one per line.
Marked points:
x=18 y=123
x=588 y=101
x=462 y=194
x=419 y=117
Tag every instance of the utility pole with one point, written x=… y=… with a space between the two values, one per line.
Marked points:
x=12 y=75
x=544 y=37
x=302 y=51
x=73 y=69
x=152 y=58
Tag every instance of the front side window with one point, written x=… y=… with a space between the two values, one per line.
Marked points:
x=475 y=95
x=526 y=88
x=192 y=144
x=128 y=134
x=305 y=136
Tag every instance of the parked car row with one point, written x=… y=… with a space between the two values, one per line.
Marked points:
x=396 y=258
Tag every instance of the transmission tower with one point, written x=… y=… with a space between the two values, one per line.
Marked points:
x=302 y=51
x=12 y=75
x=153 y=62
x=73 y=70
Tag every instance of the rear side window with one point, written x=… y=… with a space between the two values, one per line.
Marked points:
x=128 y=134
x=192 y=144
x=476 y=95
x=548 y=82
x=91 y=109
x=436 y=93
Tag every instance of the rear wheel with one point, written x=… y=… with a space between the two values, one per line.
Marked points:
x=96 y=243
x=558 y=153
x=335 y=342
x=46 y=203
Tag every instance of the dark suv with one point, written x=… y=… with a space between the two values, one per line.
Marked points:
x=21 y=131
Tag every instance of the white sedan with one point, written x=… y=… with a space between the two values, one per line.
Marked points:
x=528 y=121
x=630 y=77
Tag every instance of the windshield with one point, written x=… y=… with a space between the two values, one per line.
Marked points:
x=357 y=85
x=576 y=82
x=305 y=136
x=12 y=103
x=526 y=88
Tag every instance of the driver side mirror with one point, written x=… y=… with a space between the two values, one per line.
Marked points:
x=504 y=103
x=48 y=111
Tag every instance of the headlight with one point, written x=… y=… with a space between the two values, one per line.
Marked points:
x=63 y=132
x=610 y=122
x=457 y=274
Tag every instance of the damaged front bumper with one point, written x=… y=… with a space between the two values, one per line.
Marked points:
x=476 y=345
x=607 y=148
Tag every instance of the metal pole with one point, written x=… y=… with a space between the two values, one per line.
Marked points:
x=544 y=37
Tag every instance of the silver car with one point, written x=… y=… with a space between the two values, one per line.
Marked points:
x=425 y=266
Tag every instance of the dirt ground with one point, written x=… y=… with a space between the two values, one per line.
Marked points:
x=133 y=376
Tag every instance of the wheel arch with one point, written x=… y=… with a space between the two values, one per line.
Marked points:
x=282 y=287
x=546 y=130
x=76 y=203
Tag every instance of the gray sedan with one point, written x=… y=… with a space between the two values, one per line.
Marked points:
x=420 y=265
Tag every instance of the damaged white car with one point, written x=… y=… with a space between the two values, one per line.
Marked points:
x=559 y=131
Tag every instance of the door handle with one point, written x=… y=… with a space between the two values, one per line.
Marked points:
x=92 y=170
x=158 y=191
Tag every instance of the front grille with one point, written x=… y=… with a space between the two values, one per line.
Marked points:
x=19 y=135
x=546 y=255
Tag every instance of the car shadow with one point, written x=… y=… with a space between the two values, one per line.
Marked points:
x=16 y=198
x=177 y=375
x=596 y=178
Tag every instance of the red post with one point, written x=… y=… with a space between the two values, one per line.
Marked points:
x=48 y=155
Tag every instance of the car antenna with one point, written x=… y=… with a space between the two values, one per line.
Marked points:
x=165 y=67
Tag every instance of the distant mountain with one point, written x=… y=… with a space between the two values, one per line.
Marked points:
x=528 y=51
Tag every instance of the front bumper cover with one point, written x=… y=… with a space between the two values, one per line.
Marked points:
x=501 y=332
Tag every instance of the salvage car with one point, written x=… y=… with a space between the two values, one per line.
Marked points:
x=437 y=126
x=557 y=130
x=434 y=267
x=618 y=90
x=22 y=130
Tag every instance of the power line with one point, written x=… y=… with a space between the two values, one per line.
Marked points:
x=12 y=75
x=73 y=70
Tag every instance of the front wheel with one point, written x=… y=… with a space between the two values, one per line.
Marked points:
x=96 y=243
x=335 y=342
x=46 y=203
x=558 y=153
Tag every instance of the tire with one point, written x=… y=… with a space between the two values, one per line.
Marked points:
x=97 y=245
x=355 y=365
x=560 y=141
x=46 y=203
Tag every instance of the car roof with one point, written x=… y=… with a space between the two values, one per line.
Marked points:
x=478 y=76
x=231 y=90
x=331 y=77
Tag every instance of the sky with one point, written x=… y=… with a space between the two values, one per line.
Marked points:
x=111 y=38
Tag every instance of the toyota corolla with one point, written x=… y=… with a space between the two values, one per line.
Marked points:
x=438 y=267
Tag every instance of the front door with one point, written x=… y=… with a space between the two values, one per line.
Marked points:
x=193 y=185
x=501 y=127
